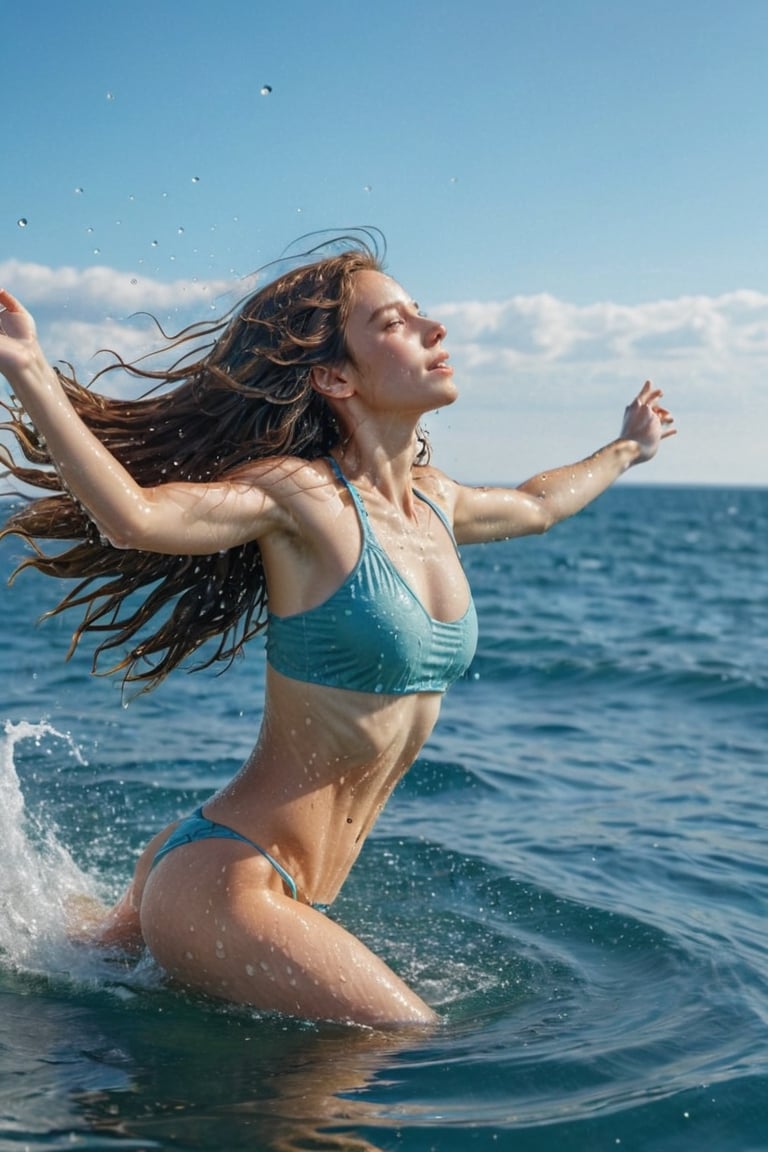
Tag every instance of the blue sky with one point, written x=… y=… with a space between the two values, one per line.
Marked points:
x=580 y=189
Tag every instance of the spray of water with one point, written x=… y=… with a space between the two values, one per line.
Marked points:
x=45 y=898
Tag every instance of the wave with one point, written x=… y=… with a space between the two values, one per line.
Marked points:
x=46 y=899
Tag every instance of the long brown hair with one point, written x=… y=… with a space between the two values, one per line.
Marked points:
x=242 y=394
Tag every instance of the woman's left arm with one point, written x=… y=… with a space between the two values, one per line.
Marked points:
x=484 y=514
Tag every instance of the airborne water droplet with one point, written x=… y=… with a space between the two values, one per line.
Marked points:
x=266 y=89
x=22 y=223
x=195 y=179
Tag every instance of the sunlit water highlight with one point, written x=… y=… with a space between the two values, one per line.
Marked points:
x=573 y=873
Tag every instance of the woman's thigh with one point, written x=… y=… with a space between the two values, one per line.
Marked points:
x=214 y=920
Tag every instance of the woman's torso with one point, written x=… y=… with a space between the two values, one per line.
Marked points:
x=328 y=757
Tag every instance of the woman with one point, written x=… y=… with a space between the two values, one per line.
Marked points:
x=300 y=483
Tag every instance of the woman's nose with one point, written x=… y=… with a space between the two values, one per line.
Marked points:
x=436 y=331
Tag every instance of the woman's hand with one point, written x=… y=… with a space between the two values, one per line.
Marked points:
x=646 y=422
x=19 y=349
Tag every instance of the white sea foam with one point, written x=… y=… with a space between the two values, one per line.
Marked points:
x=43 y=892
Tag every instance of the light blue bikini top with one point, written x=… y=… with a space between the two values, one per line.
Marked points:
x=373 y=634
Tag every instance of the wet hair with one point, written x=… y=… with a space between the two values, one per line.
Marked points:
x=240 y=390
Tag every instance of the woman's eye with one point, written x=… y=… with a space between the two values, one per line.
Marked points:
x=395 y=323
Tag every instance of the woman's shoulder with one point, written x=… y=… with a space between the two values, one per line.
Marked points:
x=302 y=492
x=290 y=474
x=436 y=484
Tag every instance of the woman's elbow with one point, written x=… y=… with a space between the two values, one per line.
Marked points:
x=128 y=531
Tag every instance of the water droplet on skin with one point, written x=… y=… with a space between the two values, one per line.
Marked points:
x=22 y=223
x=266 y=89
x=250 y=970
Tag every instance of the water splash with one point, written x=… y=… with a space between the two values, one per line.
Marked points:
x=43 y=892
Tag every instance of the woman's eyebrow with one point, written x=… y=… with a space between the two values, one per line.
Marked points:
x=410 y=304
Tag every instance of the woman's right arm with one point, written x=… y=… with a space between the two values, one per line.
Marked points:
x=175 y=518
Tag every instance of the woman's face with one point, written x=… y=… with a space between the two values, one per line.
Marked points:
x=397 y=359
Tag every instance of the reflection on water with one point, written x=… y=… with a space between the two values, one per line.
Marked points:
x=148 y=1070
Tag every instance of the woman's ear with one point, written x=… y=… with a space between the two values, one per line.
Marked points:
x=332 y=382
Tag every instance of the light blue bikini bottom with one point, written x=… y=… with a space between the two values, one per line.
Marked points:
x=198 y=827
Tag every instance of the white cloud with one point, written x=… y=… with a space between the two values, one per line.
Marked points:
x=99 y=290
x=543 y=380
x=702 y=350
x=540 y=377
x=80 y=311
x=541 y=327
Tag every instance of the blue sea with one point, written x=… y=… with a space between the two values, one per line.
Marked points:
x=574 y=872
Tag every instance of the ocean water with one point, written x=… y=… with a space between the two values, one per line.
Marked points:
x=574 y=872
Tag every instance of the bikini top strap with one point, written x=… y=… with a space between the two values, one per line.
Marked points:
x=356 y=497
x=438 y=512
x=358 y=501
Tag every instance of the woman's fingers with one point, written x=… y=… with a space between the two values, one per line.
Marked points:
x=15 y=322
